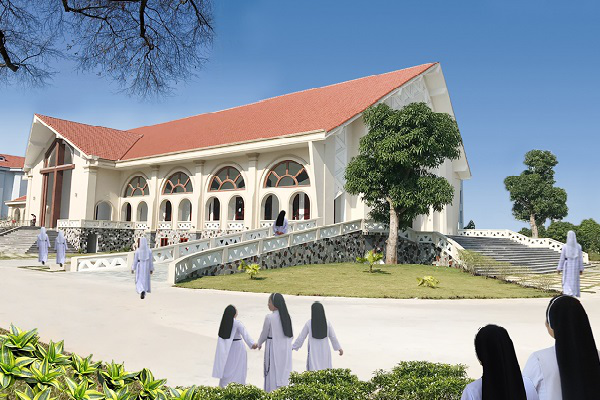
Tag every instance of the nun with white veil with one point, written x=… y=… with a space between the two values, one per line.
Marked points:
x=277 y=333
x=143 y=266
x=571 y=265
x=231 y=360
x=60 y=245
x=319 y=332
x=43 y=244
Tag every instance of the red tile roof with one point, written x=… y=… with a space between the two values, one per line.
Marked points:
x=317 y=109
x=107 y=143
x=22 y=198
x=9 y=161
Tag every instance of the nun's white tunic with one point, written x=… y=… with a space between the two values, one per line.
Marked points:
x=60 y=244
x=571 y=267
x=43 y=244
x=281 y=229
x=142 y=269
x=278 y=353
x=319 y=352
x=473 y=391
x=231 y=360
x=542 y=370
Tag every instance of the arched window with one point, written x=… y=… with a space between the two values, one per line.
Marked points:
x=213 y=209
x=142 y=212
x=185 y=210
x=126 y=212
x=236 y=209
x=300 y=207
x=166 y=211
x=287 y=174
x=137 y=187
x=228 y=178
x=270 y=207
x=103 y=211
x=178 y=183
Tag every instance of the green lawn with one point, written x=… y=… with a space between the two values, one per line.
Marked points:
x=354 y=280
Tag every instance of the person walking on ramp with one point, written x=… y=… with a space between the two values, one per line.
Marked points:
x=231 y=360
x=571 y=265
x=319 y=331
x=277 y=333
x=143 y=266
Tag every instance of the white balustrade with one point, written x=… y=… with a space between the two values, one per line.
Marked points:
x=165 y=225
x=142 y=225
x=243 y=250
x=304 y=236
x=193 y=247
x=275 y=243
x=266 y=223
x=256 y=234
x=104 y=261
x=302 y=225
x=212 y=225
x=331 y=231
x=235 y=225
x=228 y=239
x=184 y=225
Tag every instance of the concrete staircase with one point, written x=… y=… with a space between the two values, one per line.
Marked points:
x=23 y=240
x=521 y=258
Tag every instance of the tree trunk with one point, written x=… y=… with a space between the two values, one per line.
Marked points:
x=534 y=228
x=391 y=251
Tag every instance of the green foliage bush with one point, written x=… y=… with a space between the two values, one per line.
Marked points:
x=34 y=371
x=428 y=281
x=588 y=235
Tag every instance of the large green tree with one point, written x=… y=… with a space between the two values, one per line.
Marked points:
x=393 y=170
x=534 y=196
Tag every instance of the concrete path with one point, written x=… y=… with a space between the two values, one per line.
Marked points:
x=173 y=330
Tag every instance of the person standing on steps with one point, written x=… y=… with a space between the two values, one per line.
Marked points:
x=43 y=244
x=571 y=265
x=60 y=244
x=143 y=266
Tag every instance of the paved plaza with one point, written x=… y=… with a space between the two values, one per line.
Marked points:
x=173 y=332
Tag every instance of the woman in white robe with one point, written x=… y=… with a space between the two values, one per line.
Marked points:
x=502 y=378
x=571 y=265
x=570 y=369
x=143 y=266
x=277 y=333
x=319 y=332
x=43 y=244
x=231 y=360
x=280 y=226
x=60 y=244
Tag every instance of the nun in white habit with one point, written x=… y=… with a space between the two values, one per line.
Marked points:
x=569 y=370
x=60 y=244
x=320 y=333
x=43 y=244
x=277 y=333
x=143 y=266
x=231 y=360
x=571 y=265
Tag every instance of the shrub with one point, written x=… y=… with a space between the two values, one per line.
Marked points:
x=372 y=257
x=251 y=269
x=588 y=235
x=557 y=230
x=428 y=281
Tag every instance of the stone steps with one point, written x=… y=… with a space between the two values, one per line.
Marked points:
x=24 y=241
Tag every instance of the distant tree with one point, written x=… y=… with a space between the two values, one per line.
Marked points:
x=392 y=172
x=541 y=231
x=534 y=196
x=525 y=232
x=588 y=235
x=470 y=225
x=143 y=45
x=557 y=230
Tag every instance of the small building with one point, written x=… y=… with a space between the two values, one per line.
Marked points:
x=223 y=171
x=12 y=187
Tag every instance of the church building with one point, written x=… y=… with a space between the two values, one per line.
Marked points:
x=224 y=171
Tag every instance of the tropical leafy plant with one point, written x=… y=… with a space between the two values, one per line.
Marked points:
x=428 y=281
x=44 y=375
x=372 y=257
x=152 y=388
x=115 y=377
x=84 y=368
x=21 y=342
x=121 y=394
x=31 y=394
x=250 y=269
x=183 y=394
x=54 y=353
x=12 y=367
x=81 y=390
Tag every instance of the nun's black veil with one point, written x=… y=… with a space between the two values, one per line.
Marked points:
x=280 y=217
x=286 y=322
x=576 y=351
x=502 y=379
x=318 y=321
x=227 y=322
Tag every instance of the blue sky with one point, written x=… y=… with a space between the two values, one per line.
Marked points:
x=521 y=75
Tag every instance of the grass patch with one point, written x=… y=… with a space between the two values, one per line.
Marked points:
x=594 y=256
x=351 y=280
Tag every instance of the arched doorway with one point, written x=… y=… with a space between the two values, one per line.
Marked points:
x=142 y=212
x=185 y=210
x=103 y=211
x=126 y=212
x=213 y=209
x=270 y=208
x=236 y=209
x=300 y=207
x=166 y=211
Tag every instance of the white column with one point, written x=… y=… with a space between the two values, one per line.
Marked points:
x=317 y=167
x=90 y=172
x=29 y=198
x=153 y=203
x=252 y=204
x=198 y=197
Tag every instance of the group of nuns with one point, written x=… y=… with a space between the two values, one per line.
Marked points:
x=43 y=244
x=231 y=360
x=569 y=370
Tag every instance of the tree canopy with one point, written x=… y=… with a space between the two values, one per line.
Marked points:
x=394 y=171
x=534 y=196
x=144 y=45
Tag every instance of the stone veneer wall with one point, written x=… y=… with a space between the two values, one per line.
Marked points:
x=108 y=239
x=330 y=250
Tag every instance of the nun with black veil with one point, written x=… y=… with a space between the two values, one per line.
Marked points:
x=231 y=360
x=320 y=332
x=569 y=370
x=280 y=226
x=502 y=379
x=277 y=333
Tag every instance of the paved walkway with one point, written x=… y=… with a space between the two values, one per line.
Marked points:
x=173 y=332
